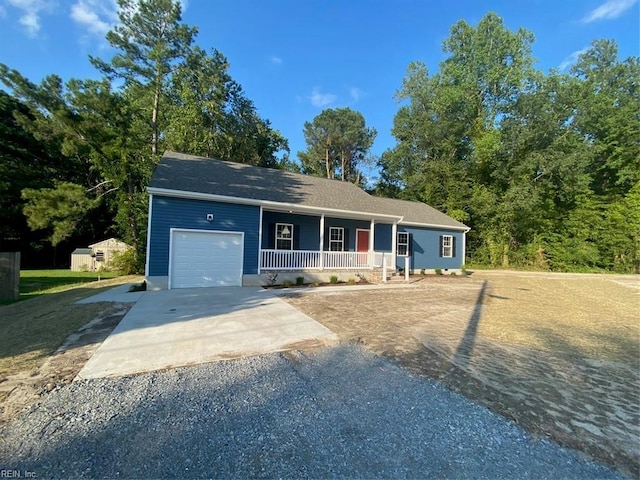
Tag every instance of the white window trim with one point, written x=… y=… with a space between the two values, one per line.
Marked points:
x=445 y=247
x=399 y=244
x=287 y=239
x=341 y=241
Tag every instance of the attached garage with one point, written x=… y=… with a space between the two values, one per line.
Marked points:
x=204 y=258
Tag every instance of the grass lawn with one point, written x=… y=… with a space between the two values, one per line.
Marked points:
x=39 y=282
x=32 y=329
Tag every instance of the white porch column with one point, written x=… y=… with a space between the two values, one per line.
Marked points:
x=321 y=241
x=260 y=241
x=371 y=242
x=464 y=247
x=394 y=241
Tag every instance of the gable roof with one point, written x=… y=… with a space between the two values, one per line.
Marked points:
x=416 y=213
x=110 y=242
x=190 y=176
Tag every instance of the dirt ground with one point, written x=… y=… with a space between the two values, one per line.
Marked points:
x=557 y=353
x=27 y=387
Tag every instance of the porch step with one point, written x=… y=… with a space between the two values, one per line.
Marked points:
x=392 y=277
x=395 y=279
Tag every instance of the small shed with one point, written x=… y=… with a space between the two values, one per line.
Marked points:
x=98 y=255
x=82 y=260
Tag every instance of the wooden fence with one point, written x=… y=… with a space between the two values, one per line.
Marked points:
x=9 y=276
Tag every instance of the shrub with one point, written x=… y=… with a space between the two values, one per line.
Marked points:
x=453 y=274
x=438 y=271
x=422 y=272
x=352 y=281
x=287 y=283
x=333 y=279
x=272 y=278
x=300 y=280
x=316 y=284
x=128 y=263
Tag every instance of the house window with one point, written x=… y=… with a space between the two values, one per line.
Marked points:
x=336 y=239
x=403 y=244
x=447 y=246
x=284 y=236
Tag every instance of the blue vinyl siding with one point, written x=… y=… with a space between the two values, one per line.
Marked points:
x=382 y=237
x=169 y=212
x=306 y=229
x=425 y=248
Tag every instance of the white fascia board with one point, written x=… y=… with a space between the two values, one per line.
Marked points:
x=433 y=225
x=279 y=206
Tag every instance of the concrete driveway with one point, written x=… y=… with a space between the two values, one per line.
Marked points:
x=173 y=328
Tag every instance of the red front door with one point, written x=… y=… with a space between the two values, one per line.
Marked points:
x=362 y=240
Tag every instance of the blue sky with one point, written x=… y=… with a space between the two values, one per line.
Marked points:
x=296 y=57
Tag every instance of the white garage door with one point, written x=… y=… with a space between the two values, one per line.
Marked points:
x=205 y=259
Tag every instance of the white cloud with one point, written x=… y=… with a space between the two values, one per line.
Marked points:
x=319 y=99
x=609 y=10
x=31 y=10
x=275 y=60
x=31 y=21
x=356 y=93
x=96 y=16
x=100 y=16
x=571 y=59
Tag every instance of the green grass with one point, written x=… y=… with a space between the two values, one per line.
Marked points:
x=38 y=282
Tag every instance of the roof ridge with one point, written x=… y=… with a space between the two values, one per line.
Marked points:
x=248 y=166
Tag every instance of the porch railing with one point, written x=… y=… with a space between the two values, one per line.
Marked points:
x=343 y=260
x=289 y=259
x=378 y=256
x=316 y=260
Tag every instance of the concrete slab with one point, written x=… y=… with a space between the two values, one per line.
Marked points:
x=172 y=328
x=119 y=294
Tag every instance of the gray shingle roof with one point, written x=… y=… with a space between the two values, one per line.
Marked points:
x=415 y=212
x=187 y=173
x=82 y=251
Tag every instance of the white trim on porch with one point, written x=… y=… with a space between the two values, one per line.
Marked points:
x=292 y=260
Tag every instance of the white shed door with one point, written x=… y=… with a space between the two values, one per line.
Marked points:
x=206 y=259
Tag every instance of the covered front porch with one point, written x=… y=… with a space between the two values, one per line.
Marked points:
x=305 y=242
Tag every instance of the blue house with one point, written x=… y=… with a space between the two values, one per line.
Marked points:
x=217 y=223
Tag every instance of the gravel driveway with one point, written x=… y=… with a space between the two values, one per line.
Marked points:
x=339 y=412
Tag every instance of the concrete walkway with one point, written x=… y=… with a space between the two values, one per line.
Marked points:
x=172 y=328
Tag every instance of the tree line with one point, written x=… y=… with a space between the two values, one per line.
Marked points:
x=544 y=167
x=76 y=156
